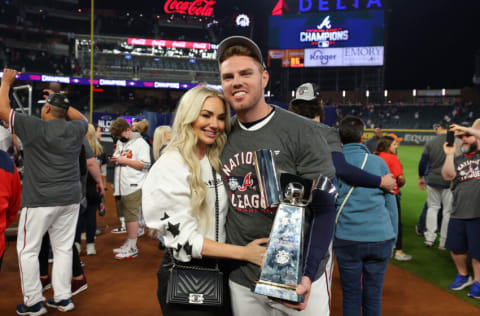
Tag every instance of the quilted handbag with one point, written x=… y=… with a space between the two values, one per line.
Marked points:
x=195 y=285
x=197 y=282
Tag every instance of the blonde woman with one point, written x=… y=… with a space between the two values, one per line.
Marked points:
x=87 y=221
x=179 y=194
x=161 y=137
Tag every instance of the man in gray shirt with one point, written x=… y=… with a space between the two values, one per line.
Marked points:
x=438 y=189
x=301 y=148
x=51 y=193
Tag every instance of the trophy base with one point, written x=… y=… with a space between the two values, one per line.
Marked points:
x=280 y=291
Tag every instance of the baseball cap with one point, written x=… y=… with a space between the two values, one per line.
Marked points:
x=58 y=100
x=241 y=41
x=305 y=92
x=441 y=124
x=392 y=135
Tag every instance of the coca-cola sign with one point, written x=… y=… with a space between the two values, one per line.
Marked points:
x=195 y=7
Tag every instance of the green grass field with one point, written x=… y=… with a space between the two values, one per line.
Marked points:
x=431 y=264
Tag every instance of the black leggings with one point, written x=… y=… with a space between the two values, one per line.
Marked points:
x=43 y=258
x=87 y=222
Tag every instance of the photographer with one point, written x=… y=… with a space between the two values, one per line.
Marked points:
x=463 y=237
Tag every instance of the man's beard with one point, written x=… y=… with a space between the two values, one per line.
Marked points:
x=469 y=148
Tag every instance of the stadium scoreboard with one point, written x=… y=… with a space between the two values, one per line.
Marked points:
x=328 y=39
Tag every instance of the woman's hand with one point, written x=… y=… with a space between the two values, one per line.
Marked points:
x=254 y=252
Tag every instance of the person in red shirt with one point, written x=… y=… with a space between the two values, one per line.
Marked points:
x=387 y=150
x=10 y=191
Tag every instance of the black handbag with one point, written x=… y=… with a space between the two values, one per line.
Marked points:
x=198 y=282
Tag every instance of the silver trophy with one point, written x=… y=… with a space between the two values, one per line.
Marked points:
x=267 y=178
x=282 y=270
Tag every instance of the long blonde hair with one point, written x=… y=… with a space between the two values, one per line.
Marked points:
x=159 y=139
x=93 y=141
x=184 y=140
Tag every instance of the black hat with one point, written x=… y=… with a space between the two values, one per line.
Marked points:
x=58 y=100
x=441 y=124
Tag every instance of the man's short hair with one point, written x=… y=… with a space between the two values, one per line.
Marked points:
x=310 y=109
x=119 y=126
x=351 y=129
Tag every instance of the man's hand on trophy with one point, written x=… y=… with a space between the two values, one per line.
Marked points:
x=255 y=252
x=388 y=183
x=8 y=76
x=302 y=289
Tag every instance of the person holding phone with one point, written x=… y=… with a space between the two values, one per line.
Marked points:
x=463 y=239
x=439 y=195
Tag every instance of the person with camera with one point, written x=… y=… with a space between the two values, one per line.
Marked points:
x=463 y=237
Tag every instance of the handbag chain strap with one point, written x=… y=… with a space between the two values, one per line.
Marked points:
x=217 y=214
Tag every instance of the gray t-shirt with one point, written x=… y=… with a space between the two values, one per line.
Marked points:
x=332 y=137
x=300 y=147
x=466 y=187
x=436 y=158
x=51 y=151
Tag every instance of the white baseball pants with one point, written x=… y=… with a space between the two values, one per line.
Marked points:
x=60 y=222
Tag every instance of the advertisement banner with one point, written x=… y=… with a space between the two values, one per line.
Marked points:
x=345 y=56
x=410 y=136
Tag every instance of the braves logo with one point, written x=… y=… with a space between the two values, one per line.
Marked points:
x=247 y=182
x=127 y=153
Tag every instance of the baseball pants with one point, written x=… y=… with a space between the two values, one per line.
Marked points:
x=60 y=222
x=436 y=197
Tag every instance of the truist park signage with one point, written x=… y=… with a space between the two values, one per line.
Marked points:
x=192 y=7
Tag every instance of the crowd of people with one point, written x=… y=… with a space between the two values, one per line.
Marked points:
x=196 y=186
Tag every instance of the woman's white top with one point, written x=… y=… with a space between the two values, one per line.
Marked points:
x=166 y=205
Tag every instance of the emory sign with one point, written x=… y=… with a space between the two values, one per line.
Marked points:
x=195 y=7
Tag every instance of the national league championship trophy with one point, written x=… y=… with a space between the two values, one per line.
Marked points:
x=282 y=270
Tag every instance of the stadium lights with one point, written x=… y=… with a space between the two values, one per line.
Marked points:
x=443 y=92
x=367 y=93
x=344 y=93
x=414 y=92
x=293 y=93
x=385 y=93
